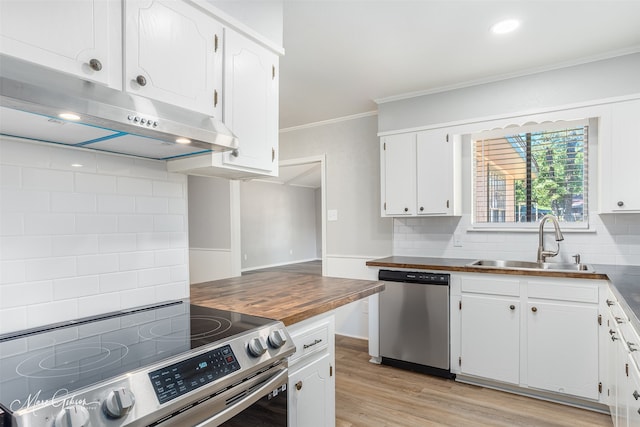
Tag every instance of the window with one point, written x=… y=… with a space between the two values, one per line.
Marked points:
x=523 y=173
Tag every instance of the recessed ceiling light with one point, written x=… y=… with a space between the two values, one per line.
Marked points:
x=183 y=140
x=506 y=26
x=69 y=116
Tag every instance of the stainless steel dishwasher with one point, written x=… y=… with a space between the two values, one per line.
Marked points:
x=414 y=321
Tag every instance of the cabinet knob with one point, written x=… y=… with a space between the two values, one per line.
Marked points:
x=610 y=303
x=95 y=65
x=620 y=203
x=421 y=208
x=142 y=81
x=406 y=209
x=611 y=332
x=534 y=309
x=298 y=385
x=512 y=307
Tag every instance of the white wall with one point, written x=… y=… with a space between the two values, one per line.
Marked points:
x=278 y=224
x=77 y=242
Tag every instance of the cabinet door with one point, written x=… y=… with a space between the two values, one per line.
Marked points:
x=435 y=172
x=398 y=158
x=173 y=54
x=620 y=169
x=562 y=348
x=311 y=394
x=633 y=394
x=251 y=104
x=490 y=337
x=64 y=36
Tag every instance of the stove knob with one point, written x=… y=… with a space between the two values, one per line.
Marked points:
x=72 y=416
x=277 y=338
x=257 y=347
x=118 y=403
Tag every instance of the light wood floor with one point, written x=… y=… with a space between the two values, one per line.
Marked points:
x=370 y=395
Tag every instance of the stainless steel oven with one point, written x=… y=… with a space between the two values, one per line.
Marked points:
x=175 y=364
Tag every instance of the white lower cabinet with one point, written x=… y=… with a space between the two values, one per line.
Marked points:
x=490 y=337
x=311 y=387
x=541 y=334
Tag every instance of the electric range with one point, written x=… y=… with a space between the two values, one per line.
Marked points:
x=169 y=364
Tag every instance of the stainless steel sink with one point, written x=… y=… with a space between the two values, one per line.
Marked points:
x=530 y=265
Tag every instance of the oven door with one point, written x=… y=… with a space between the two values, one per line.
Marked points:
x=257 y=401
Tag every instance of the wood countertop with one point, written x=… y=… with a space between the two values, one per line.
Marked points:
x=288 y=297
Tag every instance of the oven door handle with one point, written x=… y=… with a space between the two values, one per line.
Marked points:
x=276 y=381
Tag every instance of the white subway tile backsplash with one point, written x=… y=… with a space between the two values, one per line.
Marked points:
x=135 y=223
x=74 y=245
x=12 y=271
x=97 y=264
x=116 y=204
x=51 y=312
x=136 y=260
x=114 y=243
x=83 y=241
x=22 y=294
x=22 y=201
x=118 y=281
x=11 y=224
x=169 y=223
x=96 y=224
x=25 y=247
x=154 y=276
x=101 y=303
x=152 y=205
x=170 y=257
x=50 y=268
x=10 y=176
x=49 y=224
x=134 y=186
x=95 y=184
x=73 y=202
x=74 y=287
x=45 y=179
x=172 y=291
x=168 y=189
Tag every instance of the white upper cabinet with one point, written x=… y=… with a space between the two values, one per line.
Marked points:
x=420 y=174
x=619 y=156
x=251 y=104
x=438 y=168
x=82 y=38
x=174 y=54
x=398 y=174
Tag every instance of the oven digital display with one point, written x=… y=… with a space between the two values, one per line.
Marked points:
x=182 y=377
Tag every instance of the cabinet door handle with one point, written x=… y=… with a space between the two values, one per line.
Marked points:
x=636 y=395
x=611 y=331
x=142 y=81
x=610 y=303
x=95 y=64
x=620 y=203
x=632 y=346
x=619 y=320
x=534 y=309
x=512 y=307
x=406 y=209
x=215 y=98
x=298 y=385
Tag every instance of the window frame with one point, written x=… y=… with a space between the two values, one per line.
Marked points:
x=589 y=173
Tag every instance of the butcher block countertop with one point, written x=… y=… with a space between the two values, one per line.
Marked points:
x=284 y=296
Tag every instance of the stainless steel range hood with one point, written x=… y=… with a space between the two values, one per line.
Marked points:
x=32 y=98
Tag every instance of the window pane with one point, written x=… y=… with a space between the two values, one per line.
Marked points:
x=524 y=174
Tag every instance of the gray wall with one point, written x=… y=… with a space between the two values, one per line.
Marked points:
x=318 y=195
x=596 y=80
x=278 y=224
x=352 y=183
x=209 y=213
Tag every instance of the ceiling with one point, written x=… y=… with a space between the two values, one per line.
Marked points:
x=342 y=55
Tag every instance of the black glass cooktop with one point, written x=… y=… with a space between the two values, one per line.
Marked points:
x=40 y=364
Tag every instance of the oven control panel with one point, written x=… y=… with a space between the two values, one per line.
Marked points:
x=182 y=377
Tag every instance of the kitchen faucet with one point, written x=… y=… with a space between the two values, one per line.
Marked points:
x=542 y=254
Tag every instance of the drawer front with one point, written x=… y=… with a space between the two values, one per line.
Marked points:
x=490 y=285
x=311 y=340
x=577 y=292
